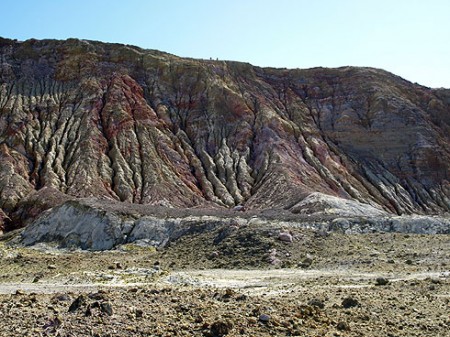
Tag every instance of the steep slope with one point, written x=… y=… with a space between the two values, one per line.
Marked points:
x=115 y=121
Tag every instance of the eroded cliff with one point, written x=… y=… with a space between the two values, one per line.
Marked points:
x=85 y=118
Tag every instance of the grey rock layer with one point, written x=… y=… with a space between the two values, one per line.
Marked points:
x=319 y=203
x=79 y=224
x=76 y=224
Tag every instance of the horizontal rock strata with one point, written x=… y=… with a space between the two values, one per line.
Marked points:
x=91 y=225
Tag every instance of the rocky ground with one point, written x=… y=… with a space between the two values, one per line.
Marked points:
x=233 y=282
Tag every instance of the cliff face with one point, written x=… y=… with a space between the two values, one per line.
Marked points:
x=113 y=121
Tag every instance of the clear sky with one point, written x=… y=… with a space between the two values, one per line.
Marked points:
x=410 y=38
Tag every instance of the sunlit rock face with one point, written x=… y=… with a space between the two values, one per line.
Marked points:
x=89 y=119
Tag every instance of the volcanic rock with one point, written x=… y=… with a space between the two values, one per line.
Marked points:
x=381 y=281
x=350 y=302
x=316 y=302
x=82 y=119
x=79 y=302
x=285 y=237
x=264 y=318
x=220 y=328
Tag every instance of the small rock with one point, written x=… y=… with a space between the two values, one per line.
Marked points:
x=322 y=233
x=106 y=307
x=94 y=305
x=88 y=311
x=315 y=302
x=78 y=303
x=264 y=318
x=107 y=277
x=306 y=262
x=234 y=224
x=252 y=320
x=62 y=298
x=285 y=237
x=349 y=302
x=220 y=328
x=275 y=261
x=139 y=313
x=53 y=324
x=272 y=258
x=214 y=255
x=19 y=292
x=98 y=296
x=51 y=266
x=241 y=297
x=342 y=326
x=409 y=262
x=381 y=281
x=239 y=208
x=37 y=277
x=229 y=293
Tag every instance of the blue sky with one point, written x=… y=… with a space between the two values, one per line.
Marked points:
x=407 y=37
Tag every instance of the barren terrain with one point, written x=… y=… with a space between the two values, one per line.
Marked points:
x=320 y=284
x=145 y=194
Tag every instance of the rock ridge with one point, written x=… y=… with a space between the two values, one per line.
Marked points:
x=92 y=225
x=89 y=119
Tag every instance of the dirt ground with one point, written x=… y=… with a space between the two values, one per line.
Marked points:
x=233 y=282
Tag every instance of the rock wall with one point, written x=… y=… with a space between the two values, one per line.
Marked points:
x=118 y=122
